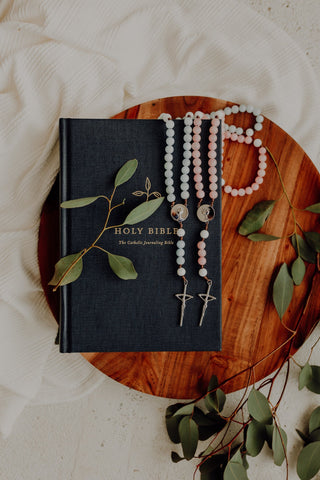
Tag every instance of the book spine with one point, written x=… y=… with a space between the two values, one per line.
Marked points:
x=64 y=330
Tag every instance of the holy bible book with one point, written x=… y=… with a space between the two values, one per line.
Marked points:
x=101 y=312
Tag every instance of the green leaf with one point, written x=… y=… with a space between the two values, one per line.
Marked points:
x=314 y=421
x=302 y=436
x=256 y=434
x=256 y=217
x=313 y=239
x=71 y=263
x=185 y=410
x=237 y=457
x=315 y=208
x=282 y=290
x=79 y=202
x=235 y=471
x=305 y=252
x=305 y=376
x=172 y=422
x=122 y=267
x=189 y=436
x=309 y=461
x=206 y=431
x=143 y=211
x=298 y=270
x=269 y=433
x=314 y=383
x=175 y=457
x=214 y=463
x=262 y=237
x=125 y=172
x=277 y=447
x=215 y=401
x=314 y=436
x=259 y=407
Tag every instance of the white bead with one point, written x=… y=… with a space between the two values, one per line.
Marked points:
x=188 y=121
x=220 y=114
x=256 y=111
x=186 y=147
x=213 y=115
x=181 y=232
x=187 y=129
x=222 y=182
x=170 y=132
x=228 y=188
x=204 y=234
x=181 y=244
x=242 y=108
x=164 y=116
x=257 y=142
x=249 y=132
x=168 y=157
x=168 y=173
x=171 y=197
x=180 y=252
x=203 y=272
x=232 y=129
x=180 y=260
x=187 y=138
x=169 y=149
x=235 y=109
x=239 y=131
x=186 y=162
x=170 y=141
x=181 y=272
x=168 y=165
x=227 y=111
x=187 y=154
x=241 y=192
x=250 y=108
x=170 y=124
x=258 y=127
x=199 y=114
x=184 y=178
x=170 y=189
x=259 y=118
x=185 y=194
x=226 y=127
x=168 y=181
x=185 y=170
x=184 y=186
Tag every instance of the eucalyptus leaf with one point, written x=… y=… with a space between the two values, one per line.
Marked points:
x=256 y=217
x=314 y=436
x=279 y=436
x=308 y=463
x=259 y=407
x=237 y=457
x=256 y=434
x=67 y=269
x=305 y=376
x=269 y=433
x=298 y=270
x=122 y=267
x=235 y=471
x=172 y=422
x=262 y=237
x=143 y=211
x=302 y=436
x=214 y=400
x=206 y=431
x=79 y=202
x=126 y=172
x=185 y=410
x=314 y=383
x=305 y=252
x=175 y=457
x=314 y=421
x=282 y=290
x=189 y=437
x=214 y=464
x=313 y=239
x=315 y=208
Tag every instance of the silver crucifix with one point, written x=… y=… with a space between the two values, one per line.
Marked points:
x=184 y=297
x=206 y=299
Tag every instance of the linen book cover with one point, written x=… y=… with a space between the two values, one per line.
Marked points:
x=99 y=311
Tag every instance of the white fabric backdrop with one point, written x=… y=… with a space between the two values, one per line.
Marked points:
x=94 y=59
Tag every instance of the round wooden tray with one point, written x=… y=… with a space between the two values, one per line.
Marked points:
x=251 y=328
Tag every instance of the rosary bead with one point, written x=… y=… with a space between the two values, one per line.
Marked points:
x=262 y=150
x=197 y=178
x=187 y=129
x=197 y=129
x=168 y=181
x=196 y=138
x=181 y=232
x=259 y=118
x=234 y=137
x=197 y=122
x=249 y=132
x=169 y=149
x=184 y=186
x=227 y=111
x=258 y=180
x=184 y=178
x=213 y=195
x=170 y=189
x=248 y=190
x=262 y=165
x=203 y=272
x=242 y=108
x=186 y=162
x=257 y=112
x=185 y=194
x=258 y=127
x=213 y=138
x=213 y=178
x=241 y=138
x=212 y=154
x=241 y=192
x=200 y=194
x=232 y=129
x=181 y=272
x=261 y=173
x=228 y=189
x=170 y=132
x=202 y=252
x=201 y=245
x=171 y=197
x=234 y=192
x=187 y=146
x=180 y=252
x=199 y=114
x=196 y=146
x=170 y=124
x=213 y=130
x=257 y=142
x=213 y=186
x=170 y=141
x=168 y=165
x=248 y=140
x=250 y=108
x=262 y=157
x=204 y=234
x=235 y=109
x=181 y=244
x=187 y=138
x=255 y=187
x=199 y=186
x=196 y=154
x=220 y=114
x=185 y=170
x=168 y=173
x=196 y=162
x=180 y=260
x=239 y=131
x=188 y=120
x=212 y=162
x=197 y=169
x=202 y=261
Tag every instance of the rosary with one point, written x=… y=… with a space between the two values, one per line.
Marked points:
x=205 y=200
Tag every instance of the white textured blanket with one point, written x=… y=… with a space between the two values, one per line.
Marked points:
x=77 y=58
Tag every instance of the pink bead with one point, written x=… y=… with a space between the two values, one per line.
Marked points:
x=196 y=138
x=213 y=138
x=258 y=180
x=213 y=178
x=262 y=165
x=262 y=150
x=199 y=186
x=234 y=137
x=248 y=190
x=255 y=187
x=196 y=162
x=227 y=134
x=202 y=252
x=196 y=146
x=202 y=261
x=212 y=146
x=211 y=170
x=213 y=130
x=242 y=192
x=234 y=192
x=200 y=194
x=201 y=245
x=261 y=173
x=197 y=121
x=197 y=170
x=241 y=138
x=248 y=140
x=215 y=121
x=212 y=162
x=197 y=178
x=262 y=158
x=213 y=195
x=196 y=130
x=228 y=189
x=213 y=186
x=212 y=154
x=196 y=154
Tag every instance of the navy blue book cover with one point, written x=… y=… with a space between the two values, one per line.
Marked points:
x=99 y=311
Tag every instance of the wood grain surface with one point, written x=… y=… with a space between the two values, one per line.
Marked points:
x=251 y=328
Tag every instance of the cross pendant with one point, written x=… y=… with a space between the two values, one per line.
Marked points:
x=206 y=299
x=183 y=297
